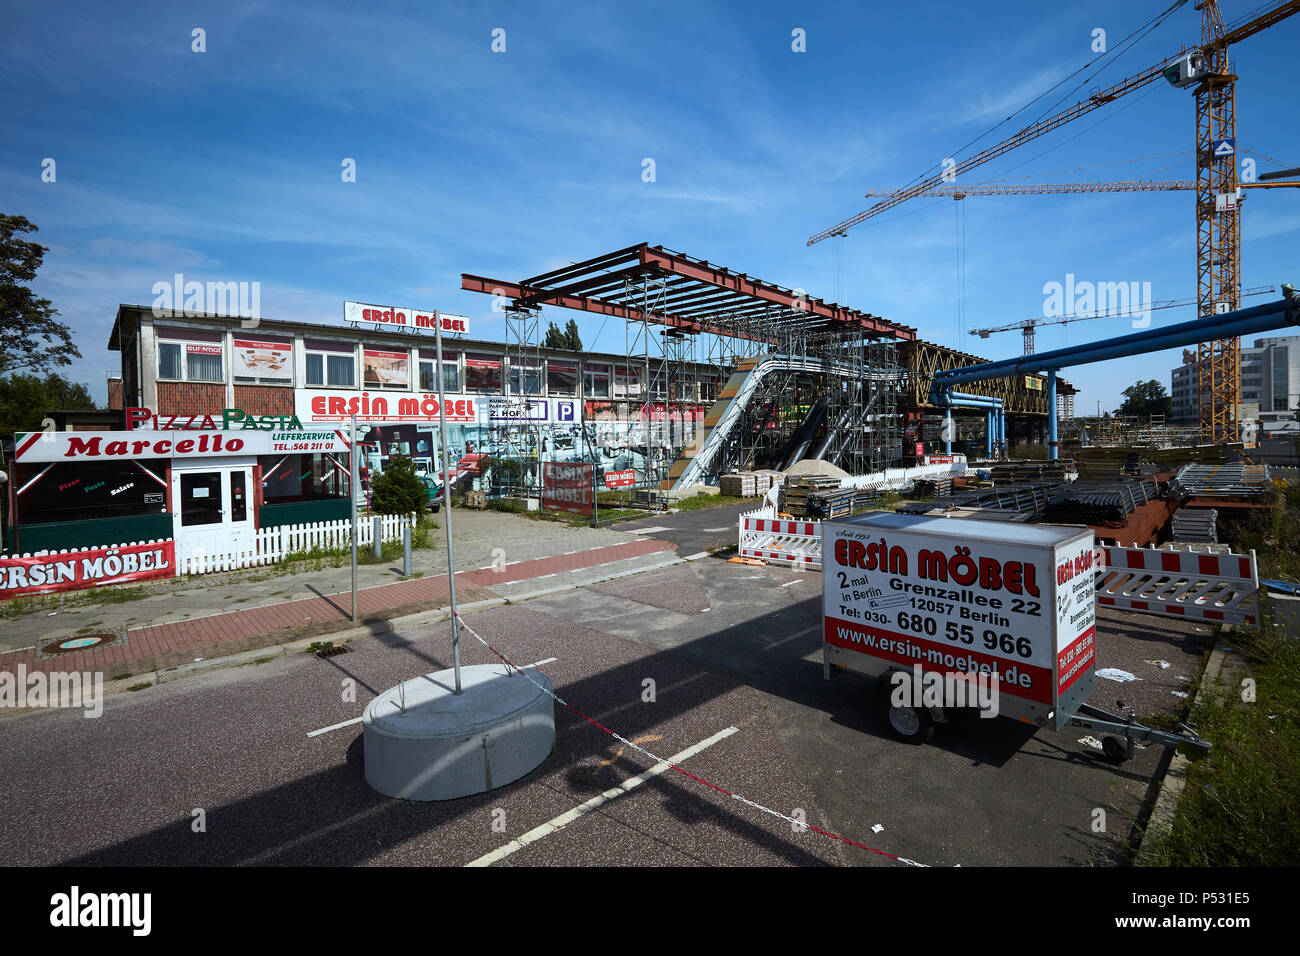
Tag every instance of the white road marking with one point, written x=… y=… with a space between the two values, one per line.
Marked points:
x=564 y=819
x=323 y=730
x=723 y=528
x=549 y=660
x=647 y=530
x=789 y=583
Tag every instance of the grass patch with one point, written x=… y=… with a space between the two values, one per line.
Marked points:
x=701 y=501
x=65 y=600
x=141 y=686
x=1241 y=804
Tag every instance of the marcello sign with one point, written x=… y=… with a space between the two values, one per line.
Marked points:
x=172 y=443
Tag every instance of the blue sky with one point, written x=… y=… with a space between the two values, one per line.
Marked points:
x=225 y=165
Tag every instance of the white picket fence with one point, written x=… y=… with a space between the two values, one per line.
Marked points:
x=215 y=552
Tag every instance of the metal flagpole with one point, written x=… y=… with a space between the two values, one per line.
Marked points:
x=446 y=501
x=353 y=485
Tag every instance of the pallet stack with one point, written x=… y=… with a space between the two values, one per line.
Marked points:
x=739 y=485
x=798 y=493
x=1196 y=524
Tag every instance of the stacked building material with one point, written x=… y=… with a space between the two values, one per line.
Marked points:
x=797 y=495
x=1227 y=483
x=1029 y=499
x=1196 y=524
x=1101 y=462
x=766 y=478
x=1020 y=471
x=1104 y=503
x=932 y=487
x=739 y=485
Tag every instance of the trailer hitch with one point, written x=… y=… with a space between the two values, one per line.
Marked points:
x=1118 y=750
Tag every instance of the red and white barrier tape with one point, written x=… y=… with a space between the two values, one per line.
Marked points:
x=686 y=773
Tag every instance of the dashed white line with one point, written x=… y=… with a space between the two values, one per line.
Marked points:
x=564 y=819
x=789 y=583
x=647 y=530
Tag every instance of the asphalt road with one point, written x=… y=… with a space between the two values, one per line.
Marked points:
x=693 y=531
x=725 y=646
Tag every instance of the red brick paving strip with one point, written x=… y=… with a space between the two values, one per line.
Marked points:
x=238 y=626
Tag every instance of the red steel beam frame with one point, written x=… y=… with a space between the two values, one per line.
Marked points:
x=657 y=261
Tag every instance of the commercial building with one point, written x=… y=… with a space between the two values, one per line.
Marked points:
x=287 y=392
x=1270 y=381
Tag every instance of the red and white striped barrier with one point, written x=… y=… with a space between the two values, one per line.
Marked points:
x=797 y=543
x=1208 y=587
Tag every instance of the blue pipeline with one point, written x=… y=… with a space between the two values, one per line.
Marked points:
x=1231 y=325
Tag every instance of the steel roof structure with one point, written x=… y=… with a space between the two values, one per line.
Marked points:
x=648 y=283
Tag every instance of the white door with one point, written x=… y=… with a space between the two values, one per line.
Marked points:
x=212 y=510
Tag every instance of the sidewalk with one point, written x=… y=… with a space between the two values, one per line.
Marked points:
x=195 y=618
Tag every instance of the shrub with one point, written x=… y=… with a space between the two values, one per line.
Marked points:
x=397 y=490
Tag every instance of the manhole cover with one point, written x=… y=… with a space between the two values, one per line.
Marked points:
x=84 y=642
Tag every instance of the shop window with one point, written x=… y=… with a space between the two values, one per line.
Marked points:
x=561 y=377
x=525 y=377
x=450 y=376
x=482 y=373
x=595 y=381
x=331 y=369
x=91 y=490
x=303 y=477
x=191 y=362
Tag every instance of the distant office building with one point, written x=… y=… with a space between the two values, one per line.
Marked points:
x=1064 y=407
x=1270 y=380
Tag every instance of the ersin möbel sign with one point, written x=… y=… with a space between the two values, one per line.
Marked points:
x=400 y=317
x=91 y=567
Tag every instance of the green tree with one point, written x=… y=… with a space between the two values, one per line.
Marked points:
x=1144 y=399
x=571 y=333
x=555 y=339
x=24 y=399
x=397 y=490
x=566 y=339
x=30 y=336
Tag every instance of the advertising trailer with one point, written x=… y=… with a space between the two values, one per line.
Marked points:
x=1011 y=604
x=999 y=616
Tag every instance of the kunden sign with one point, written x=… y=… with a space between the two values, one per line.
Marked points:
x=391 y=316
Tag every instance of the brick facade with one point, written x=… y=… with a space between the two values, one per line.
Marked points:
x=264 y=399
x=191 y=398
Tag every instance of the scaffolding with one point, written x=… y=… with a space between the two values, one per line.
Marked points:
x=513 y=426
x=683 y=314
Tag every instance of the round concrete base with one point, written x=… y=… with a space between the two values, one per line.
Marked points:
x=424 y=742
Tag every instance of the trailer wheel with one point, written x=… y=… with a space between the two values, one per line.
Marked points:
x=1114 y=749
x=912 y=725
